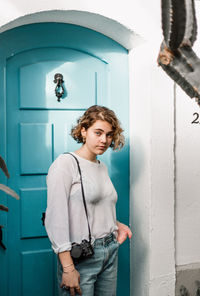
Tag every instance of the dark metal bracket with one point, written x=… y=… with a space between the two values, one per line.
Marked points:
x=43 y=218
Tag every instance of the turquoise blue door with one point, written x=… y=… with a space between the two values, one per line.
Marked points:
x=37 y=129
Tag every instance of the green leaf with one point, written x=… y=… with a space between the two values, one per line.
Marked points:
x=4 y=167
x=3 y=208
x=9 y=191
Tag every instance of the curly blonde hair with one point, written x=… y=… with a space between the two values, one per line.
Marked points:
x=91 y=115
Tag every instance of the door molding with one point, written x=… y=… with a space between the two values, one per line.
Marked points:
x=107 y=26
x=34 y=36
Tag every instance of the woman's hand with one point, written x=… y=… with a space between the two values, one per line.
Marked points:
x=70 y=281
x=70 y=277
x=123 y=232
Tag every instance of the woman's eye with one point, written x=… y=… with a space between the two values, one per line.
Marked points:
x=98 y=133
x=109 y=136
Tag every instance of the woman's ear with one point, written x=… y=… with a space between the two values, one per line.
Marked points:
x=83 y=132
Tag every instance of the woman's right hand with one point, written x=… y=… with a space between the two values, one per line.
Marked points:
x=71 y=280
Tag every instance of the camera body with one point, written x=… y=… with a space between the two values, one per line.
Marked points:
x=81 y=251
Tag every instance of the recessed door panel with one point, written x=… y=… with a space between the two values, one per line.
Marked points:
x=37 y=273
x=37 y=86
x=35 y=147
x=33 y=204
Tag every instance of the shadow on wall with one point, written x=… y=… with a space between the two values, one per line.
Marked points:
x=119 y=173
x=139 y=221
x=117 y=163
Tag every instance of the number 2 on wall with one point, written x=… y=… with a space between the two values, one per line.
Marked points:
x=196 y=118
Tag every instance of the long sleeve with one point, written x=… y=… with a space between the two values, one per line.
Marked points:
x=59 y=183
x=66 y=220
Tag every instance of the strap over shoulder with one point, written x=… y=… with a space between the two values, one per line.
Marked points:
x=83 y=194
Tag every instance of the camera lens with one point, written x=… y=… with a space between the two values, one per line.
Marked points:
x=76 y=251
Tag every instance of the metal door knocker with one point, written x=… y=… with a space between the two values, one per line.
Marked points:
x=59 y=90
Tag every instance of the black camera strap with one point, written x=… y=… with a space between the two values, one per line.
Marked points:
x=83 y=194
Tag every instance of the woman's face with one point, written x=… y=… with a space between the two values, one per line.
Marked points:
x=98 y=137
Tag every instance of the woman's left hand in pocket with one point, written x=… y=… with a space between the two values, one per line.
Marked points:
x=123 y=232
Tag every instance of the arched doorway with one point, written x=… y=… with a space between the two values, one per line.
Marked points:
x=36 y=129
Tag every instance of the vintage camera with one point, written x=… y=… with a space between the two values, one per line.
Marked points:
x=81 y=251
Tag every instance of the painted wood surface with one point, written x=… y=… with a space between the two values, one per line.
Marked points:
x=36 y=130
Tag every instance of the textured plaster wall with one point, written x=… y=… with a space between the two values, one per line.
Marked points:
x=142 y=13
x=151 y=122
x=152 y=203
x=188 y=174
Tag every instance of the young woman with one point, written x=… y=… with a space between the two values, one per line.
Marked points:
x=66 y=222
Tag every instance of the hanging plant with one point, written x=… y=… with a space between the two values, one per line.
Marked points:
x=5 y=188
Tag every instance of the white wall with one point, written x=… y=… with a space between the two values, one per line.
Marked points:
x=152 y=184
x=152 y=128
x=187 y=174
x=143 y=14
x=187 y=181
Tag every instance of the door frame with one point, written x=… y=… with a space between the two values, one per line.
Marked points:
x=11 y=46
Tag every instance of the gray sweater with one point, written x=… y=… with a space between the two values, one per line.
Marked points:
x=65 y=215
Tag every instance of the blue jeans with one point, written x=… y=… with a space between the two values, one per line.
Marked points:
x=99 y=273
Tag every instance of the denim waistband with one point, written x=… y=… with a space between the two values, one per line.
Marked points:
x=105 y=240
